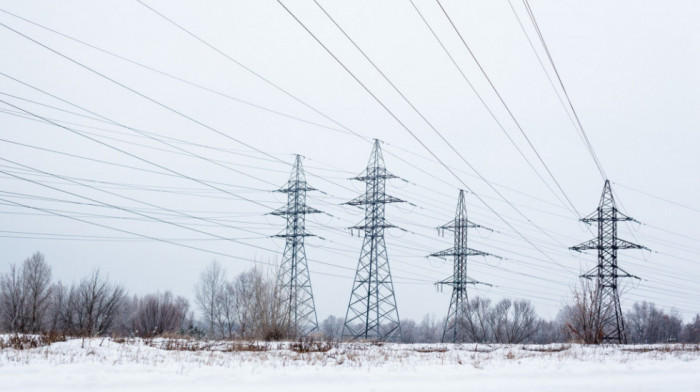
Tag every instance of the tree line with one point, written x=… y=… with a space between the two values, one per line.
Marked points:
x=247 y=306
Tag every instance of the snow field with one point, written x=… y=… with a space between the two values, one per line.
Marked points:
x=103 y=364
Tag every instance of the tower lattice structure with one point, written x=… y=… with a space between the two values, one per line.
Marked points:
x=372 y=312
x=455 y=328
x=607 y=271
x=294 y=283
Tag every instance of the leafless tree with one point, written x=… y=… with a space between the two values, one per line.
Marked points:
x=476 y=320
x=548 y=331
x=430 y=329
x=157 y=314
x=332 y=327
x=227 y=308
x=59 y=294
x=258 y=306
x=91 y=308
x=208 y=293
x=648 y=324
x=25 y=295
x=409 y=330
x=691 y=331
x=248 y=306
x=584 y=316
x=36 y=276
x=12 y=301
x=512 y=321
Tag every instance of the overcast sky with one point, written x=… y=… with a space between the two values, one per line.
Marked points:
x=194 y=161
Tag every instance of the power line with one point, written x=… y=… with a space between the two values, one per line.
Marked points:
x=549 y=78
x=142 y=95
x=566 y=94
x=421 y=142
x=658 y=197
x=512 y=116
x=94 y=47
x=171 y=76
x=483 y=103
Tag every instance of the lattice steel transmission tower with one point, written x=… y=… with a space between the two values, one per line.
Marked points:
x=372 y=312
x=294 y=282
x=455 y=330
x=606 y=273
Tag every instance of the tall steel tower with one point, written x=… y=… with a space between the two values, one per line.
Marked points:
x=607 y=271
x=372 y=312
x=294 y=283
x=455 y=330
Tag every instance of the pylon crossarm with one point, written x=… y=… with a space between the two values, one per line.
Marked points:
x=391 y=199
x=591 y=244
x=374 y=173
x=626 y=274
x=293 y=235
x=452 y=282
x=620 y=217
x=371 y=227
x=451 y=226
x=465 y=252
x=623 y=244
x=590 y=218
x=296 y=187
x=486 y=255
x=284 y=211
x=477 y=226
x=593 y=273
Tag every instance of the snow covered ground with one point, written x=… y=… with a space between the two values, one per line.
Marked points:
x=174 y=365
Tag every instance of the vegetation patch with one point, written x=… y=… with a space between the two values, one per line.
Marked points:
x=547 y=349
x=24 y=342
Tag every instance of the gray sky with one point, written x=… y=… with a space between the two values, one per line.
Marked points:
x=630 y=69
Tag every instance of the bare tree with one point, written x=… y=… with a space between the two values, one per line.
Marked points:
x=92 y=307
x=409 y=330
x=208 y=293
x=12 y=301
x=258 y=308
x=36 y=277
x=691 y=331
x=547 y=331
x=332 y=327
x=158 y=314
x=475 y=322
x=584 y=316
x=59 y=294
x=512 y=321
x=227 y=319
x=25 y=295
x=430 y=329
x=648 y=324
x=247 y=306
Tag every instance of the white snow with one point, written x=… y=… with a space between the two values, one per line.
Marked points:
x=102 y=364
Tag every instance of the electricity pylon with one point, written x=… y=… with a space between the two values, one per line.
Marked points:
x=294 y=282
x=455 y=330
x=607 y=271
x=372 y=312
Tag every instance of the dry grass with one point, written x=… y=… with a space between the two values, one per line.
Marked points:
x=188 y=352
x=311 y=346
x=25 y=342
x=547 y=349
x=193 y=345
x=663 y=348
x=431 y=350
